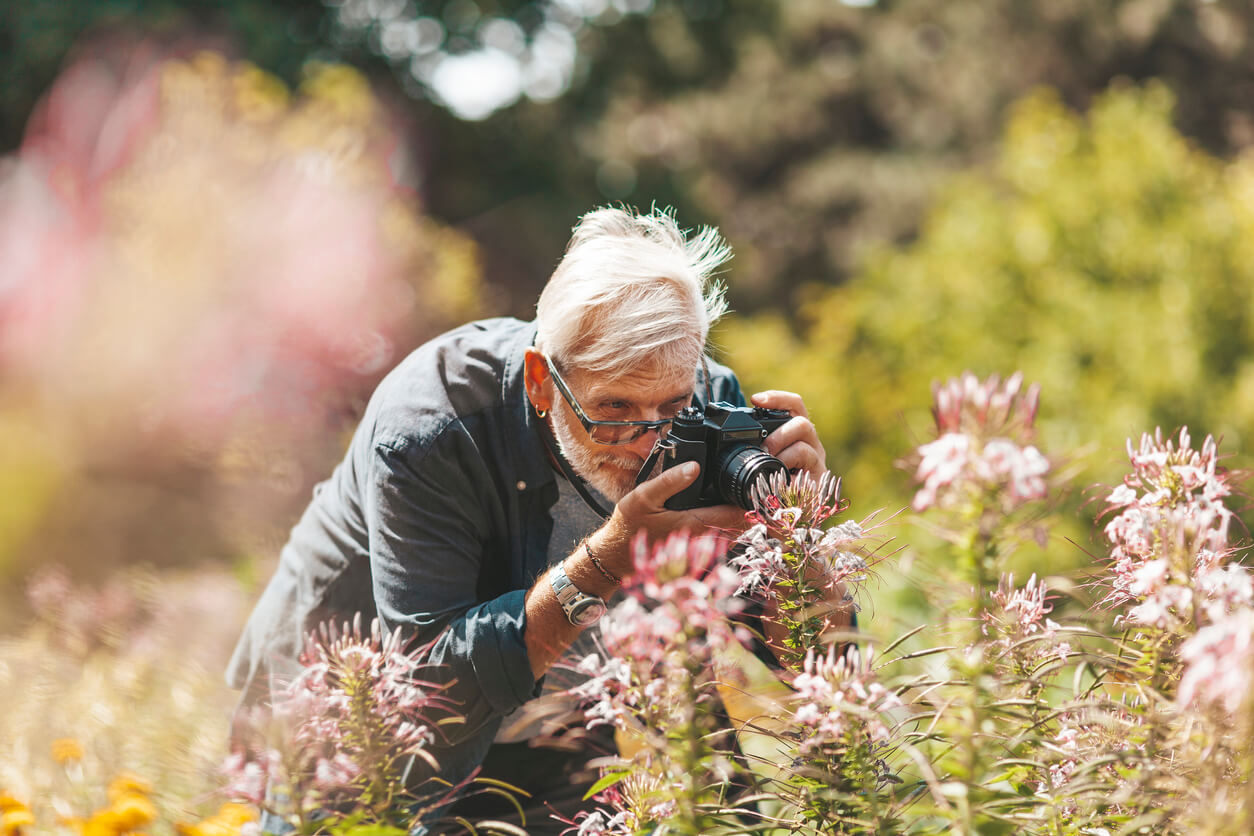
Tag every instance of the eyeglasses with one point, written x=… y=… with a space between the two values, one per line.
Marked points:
x=606 y=432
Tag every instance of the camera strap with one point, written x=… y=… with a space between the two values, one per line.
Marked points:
x=646 y=469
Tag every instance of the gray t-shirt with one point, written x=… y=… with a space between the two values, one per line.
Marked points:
x=573 y=520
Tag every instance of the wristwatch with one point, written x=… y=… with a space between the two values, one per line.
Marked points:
x=581 y=609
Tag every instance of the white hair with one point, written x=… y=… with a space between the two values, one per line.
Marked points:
x=632 y=290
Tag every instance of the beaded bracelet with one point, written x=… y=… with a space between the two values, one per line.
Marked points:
x=596 y=561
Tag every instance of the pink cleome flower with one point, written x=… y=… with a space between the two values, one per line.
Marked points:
x=787 y=540
x=1020 y=614
x=983 y=445
x=1219 y=663
x=662 y=635
x=968 y=406
x=356 y=712
x=840 y=701
x=1169 y=534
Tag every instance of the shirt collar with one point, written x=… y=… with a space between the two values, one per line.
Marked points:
x=529 y=458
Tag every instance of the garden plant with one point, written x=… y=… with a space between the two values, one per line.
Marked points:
x=1120 y=707
x=204 y=269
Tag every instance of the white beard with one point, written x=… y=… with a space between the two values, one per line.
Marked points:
x=610 y=473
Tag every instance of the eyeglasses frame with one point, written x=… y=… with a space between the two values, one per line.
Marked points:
x=590 y=423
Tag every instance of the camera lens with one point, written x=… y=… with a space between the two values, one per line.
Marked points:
x=739 y=467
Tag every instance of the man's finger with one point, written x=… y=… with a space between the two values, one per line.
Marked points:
x=727 y=519
x=801 y=456
x=779 y=399
x=662 y=487
x=797 y=430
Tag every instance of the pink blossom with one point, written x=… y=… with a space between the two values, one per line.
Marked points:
x=1219 y=663
x=336 y=773
x=1169 y=533
x=1225 y=590
x=840 y=702
x=1067 y=744
x=598 y=823
x=287 y=282
x=356 y=713
x=785 y=500
x=659 y=640
x=248 y=776
x=1020 y=614
x=787 y=544
x=955 y=466
x=983 y=445
x=943 y=462
x=967 y=405
x=1027 y=605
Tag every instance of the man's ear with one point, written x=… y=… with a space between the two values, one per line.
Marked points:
x=535 y=376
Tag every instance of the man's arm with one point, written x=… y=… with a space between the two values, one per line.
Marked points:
x=431 y=515
x=548 y=632
x=429 y=512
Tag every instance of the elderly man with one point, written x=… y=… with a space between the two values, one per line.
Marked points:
x=465 y=510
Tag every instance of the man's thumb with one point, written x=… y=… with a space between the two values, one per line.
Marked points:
x=671 y=482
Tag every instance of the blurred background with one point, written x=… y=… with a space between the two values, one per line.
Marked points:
x=221 y=223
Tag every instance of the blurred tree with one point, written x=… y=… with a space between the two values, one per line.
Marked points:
x=808 y=130
x=1105 y=256
x=202 y=276
x=37 y=38
x=517 y=179
x=833 y=127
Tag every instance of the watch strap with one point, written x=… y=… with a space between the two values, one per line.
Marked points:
x=571 y=597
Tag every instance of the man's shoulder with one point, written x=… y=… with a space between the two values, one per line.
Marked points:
x=724 y=386
x=454 y=377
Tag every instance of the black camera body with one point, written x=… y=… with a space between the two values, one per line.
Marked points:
x=726 y=441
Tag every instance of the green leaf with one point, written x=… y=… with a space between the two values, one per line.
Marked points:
x=606 y=781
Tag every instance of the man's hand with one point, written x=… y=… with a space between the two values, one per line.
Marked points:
x=644 y=509
x=796 y=443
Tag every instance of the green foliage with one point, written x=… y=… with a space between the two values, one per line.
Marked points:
x=1103 y=255
x=807 y=130
x=833 y=128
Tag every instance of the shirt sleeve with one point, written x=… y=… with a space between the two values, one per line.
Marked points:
x=428 y=514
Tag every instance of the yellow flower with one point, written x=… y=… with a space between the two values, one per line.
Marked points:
x=235 y=814
x=226 y=822
x=132 y=811
x=12 y=821
x=102 y=823
x=14 y=815
x=129 y=809
x=343 y=89
x=66 y=749
x=128 y=783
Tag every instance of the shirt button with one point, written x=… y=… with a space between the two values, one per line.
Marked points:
x=522 y=486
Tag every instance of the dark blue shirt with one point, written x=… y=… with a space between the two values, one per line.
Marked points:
x=437 y=521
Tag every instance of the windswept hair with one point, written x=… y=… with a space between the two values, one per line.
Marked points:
x=632 y=290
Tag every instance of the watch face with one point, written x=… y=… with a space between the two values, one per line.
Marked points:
x=588 y=611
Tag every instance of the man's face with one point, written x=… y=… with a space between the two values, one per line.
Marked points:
x=648 y=394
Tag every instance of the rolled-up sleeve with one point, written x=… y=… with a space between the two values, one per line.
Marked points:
x=428 y=510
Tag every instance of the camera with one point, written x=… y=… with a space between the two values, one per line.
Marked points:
x=726 y=441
